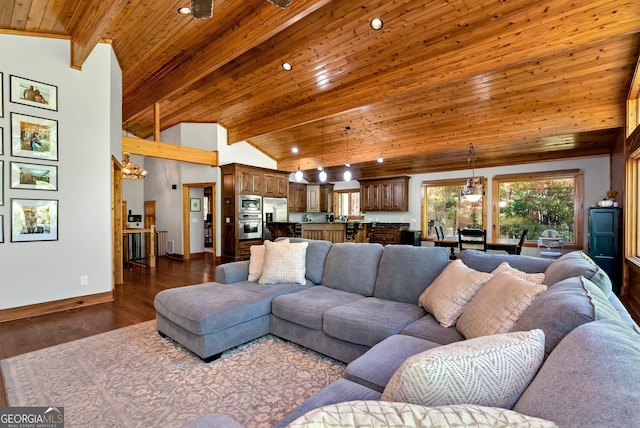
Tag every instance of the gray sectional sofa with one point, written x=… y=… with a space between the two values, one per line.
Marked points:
x=360 y=305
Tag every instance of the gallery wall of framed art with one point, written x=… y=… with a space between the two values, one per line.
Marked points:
x=32 y=136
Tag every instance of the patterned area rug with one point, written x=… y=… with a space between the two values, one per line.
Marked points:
x=131 y=377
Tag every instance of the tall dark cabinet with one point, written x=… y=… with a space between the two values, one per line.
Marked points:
x=605 y=243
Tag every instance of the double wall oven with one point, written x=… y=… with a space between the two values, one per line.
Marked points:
x=249 y=217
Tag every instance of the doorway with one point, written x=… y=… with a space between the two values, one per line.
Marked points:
x=209 y=190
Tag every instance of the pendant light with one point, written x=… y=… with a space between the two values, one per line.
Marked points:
x=472 y=191
x=347 y=172
x=298 y=173
x=323 y=174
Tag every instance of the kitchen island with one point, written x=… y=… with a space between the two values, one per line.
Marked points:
x=349 y=231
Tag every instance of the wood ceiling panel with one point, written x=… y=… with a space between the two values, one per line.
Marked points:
x=525 y=81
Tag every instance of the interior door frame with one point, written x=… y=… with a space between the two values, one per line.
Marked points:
x=186 y=218
x=117 y=223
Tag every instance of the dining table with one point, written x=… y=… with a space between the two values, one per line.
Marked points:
x=505 y=244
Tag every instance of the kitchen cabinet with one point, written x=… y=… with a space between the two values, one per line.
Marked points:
x=389 y=194
x=238 y=179
x=326 y=198
x=297 y=198
x=605 y=245
x=313 y=198
x=333 y=232
x=386 y=235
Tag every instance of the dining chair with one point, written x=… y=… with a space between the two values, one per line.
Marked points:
x=439 y=232
x=525 y=232
x=472 y=239
x=550 y=244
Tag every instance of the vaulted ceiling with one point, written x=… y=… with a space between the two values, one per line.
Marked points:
x=524 y=81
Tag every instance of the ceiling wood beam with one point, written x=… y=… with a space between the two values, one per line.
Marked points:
x=95 y=21
x=248 y=34
x=157 y=149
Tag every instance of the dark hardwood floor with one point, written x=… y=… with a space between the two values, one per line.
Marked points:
x=133 y=304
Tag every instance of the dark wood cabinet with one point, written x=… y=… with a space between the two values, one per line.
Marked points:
x=386 y=235
x=605 y=245
x=297 y=198
x=391 y=194
x=238 y=179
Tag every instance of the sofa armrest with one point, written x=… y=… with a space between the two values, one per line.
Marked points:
x=229 y=273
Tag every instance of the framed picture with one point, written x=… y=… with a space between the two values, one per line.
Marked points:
x=1 y=183
x=34 y=220
x=33 y=176
x=33 y=93
x=1 y=229
x=1 y=97
x=1 y=140
x=34 y=137
x=195 y=205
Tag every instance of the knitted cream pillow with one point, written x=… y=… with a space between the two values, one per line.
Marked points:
x=284 y=262
x=536 y=278
x=362 y=413
x=488 y=371
x=497 y=305
x=450 y=292
x=256 y=260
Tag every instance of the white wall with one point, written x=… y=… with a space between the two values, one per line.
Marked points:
x=89 y=103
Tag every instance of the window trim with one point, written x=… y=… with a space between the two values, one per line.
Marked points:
x=578 y=203
x=336 y=194
x=459 y=182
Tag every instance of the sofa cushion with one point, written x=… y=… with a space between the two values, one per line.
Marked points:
x=590 y=379
x=284 y=262
x=536 y=278
x=206 y=308
x=256 y=260
x=307 y=307
x=375 y=367
x=352 y=267
x=447 y=296
x=383 y=413
x=487 y=371
x=428 y=328
x=317 y=251
x=336 y=392
x=405 y=271
x=563 y=307
x=487 y=262
x=497 y=305
x=577 y=263
x=370 y=320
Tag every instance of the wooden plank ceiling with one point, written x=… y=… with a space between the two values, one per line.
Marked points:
x=522 y=80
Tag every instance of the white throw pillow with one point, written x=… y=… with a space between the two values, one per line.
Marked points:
x=488 y=371
x=387 y=414
x=536 y=278
x=256 y=260
x=450 y=292
x=497 y=306
x=284 y=262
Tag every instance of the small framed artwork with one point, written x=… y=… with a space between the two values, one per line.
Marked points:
x=32 y=176
x=1 y=97
x=195 y=205
x=1 y=140
x=34 y=137
x=34 y=220
x=1 y=183
x=33 y=93
x=1 y=229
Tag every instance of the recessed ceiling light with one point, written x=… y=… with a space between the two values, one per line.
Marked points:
x=294 y=149
x=184 y=10
x=380 y=160
x=376 y=23
x=287 y=66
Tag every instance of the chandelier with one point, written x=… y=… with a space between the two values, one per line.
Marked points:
x=472 y=190
x=130 y=170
